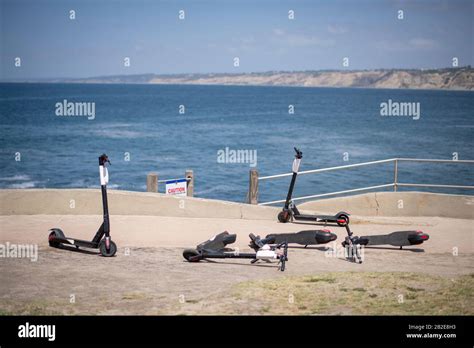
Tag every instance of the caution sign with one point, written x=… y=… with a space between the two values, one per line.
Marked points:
x=176 y=187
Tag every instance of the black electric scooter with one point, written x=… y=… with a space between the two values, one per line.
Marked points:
x=352 y=243
x=398 y=239
x=291 y=212
x=308 y=237
x=215 y=248
x=101 y=239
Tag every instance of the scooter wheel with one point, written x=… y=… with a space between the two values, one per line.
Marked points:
x=283 y=216
x=103 y=250
x=192 y=255
x=52 y=242
x=343 y=217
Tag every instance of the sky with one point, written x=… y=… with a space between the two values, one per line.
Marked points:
x=213 y=33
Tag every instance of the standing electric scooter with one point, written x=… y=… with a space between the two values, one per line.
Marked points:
x=101 y=239
x=290 y=211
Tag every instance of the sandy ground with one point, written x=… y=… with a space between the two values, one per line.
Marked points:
x=150 y=276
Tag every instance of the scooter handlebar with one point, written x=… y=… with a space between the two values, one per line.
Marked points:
x=103 y=159
x=299 y=154
x=284 y=256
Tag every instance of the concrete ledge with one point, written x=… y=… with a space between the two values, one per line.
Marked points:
x=89 y=202
x=397 y=204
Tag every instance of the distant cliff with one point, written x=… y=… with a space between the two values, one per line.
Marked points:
x=452 y=79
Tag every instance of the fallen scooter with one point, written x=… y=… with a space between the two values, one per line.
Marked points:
x=352 y=243
x=398 y=239
x=216 y=248
x=308 y=237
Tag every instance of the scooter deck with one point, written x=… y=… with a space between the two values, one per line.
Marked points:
x=308 y=237
x=218 y=242
x=399 y=238
x=341 y=218
x=317 y=218
x=77 y=242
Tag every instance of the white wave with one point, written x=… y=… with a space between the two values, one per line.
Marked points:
x=118 y=134
x=15 y=178
x=23 y=185
x=77 y=183
x=118 y=125
x=82 y=184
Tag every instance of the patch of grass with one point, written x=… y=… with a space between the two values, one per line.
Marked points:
x=409 y=288
x=316 y=279
x=369 y=293
x=31 y=308
x=134 y=296
x=359 y=289
x=192 y=301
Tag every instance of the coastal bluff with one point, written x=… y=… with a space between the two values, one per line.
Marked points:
x=443 y=79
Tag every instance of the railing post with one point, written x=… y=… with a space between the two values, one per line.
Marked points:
x=189 y=175
x=253 y=186
x=152 y=182
x=395 y=175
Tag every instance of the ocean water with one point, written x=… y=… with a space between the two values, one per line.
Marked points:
x=332 y=127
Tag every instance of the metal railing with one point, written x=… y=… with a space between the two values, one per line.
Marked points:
x=395 y=184
x=175 y=179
